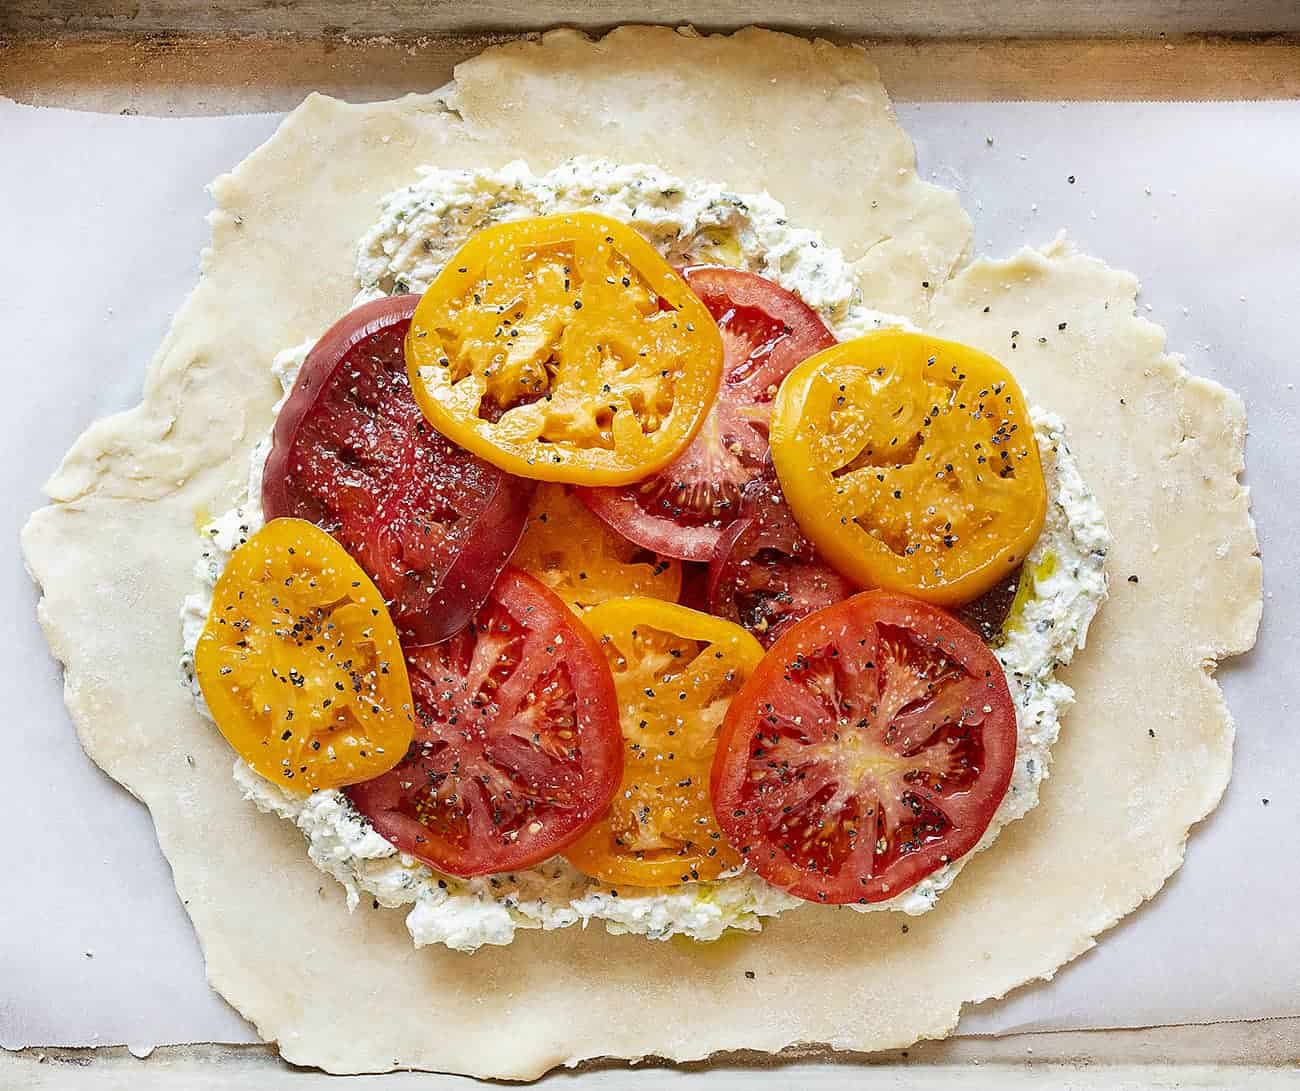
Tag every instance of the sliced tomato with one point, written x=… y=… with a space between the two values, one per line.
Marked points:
x=582 y=560
x=675 y=671
x=695 y=586
x=299 y=662
x=870 y=748
x=564 y=348
x=765 y=575
x=682 y=510
x=988 y=613
x=517 y=746
x=432 y=524
x=911 y=462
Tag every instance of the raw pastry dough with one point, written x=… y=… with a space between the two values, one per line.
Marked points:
x=811 y=123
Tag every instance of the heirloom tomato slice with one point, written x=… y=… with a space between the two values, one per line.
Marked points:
x=765 y=575
x=431 y=524
x=675 y=672
x=684 y=509
x=871 y=747
x=299 y=662
x=582 y=560
x=564 y=348
x=517 y=746
x=695 y=586
x=911 y=463
x=988 y=613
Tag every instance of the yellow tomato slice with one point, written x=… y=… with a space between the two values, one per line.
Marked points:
x=300 y=665
x=584 y=562
x=564 y=348
x=911 y=463
x=675 y=673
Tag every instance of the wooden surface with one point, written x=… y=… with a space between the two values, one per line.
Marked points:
x=185 y=75
x=882 y=18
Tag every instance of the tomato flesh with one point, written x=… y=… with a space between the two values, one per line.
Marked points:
x=695 y=586
x=517 y=746
x=764 y=574
x=683 y=510
x=582 y=560
x=564 y=348
x=432 y=524
x=912 y=463
x=299 y=662
x=871 y=747
x=988 y=613
x=675 y=671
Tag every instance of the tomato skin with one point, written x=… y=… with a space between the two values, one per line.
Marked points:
x=987 y=614
x=517 y=747
x=564 y=348
x=911 y=463
x=694 y=593
x=764 y=574
x=873 y=745
x=674 y=670
x=300 y=664
x=685 y=508
x=430 y=523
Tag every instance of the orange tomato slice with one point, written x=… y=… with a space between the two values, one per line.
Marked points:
x=675 y=673
x=911 y=463
x=300 y=664
x=564 y=348
x=583 y=561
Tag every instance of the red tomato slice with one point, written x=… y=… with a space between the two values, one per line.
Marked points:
x=517 y=746
x=695 y=586
x=430 y=523
x=682 y=510
x=870 y=748
x=988 y=613
x=765 y=575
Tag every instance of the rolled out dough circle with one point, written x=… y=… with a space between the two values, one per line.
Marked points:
x=809 y=122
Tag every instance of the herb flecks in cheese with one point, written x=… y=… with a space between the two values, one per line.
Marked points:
x=1064 y=582
x=689 y=222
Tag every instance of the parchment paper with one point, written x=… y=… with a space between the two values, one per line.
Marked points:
x=102 y=221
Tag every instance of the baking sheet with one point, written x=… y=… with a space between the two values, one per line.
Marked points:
x=103 y=221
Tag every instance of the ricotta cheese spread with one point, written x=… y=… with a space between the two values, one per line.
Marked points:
x=420 y=227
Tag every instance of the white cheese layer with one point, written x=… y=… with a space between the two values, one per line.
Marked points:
x=689 y=222
x=1064 y=583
